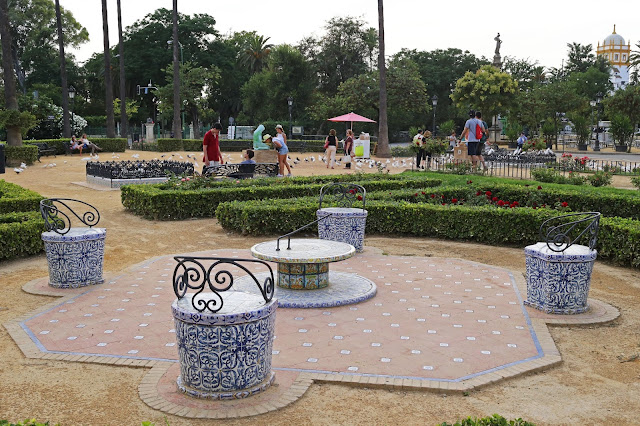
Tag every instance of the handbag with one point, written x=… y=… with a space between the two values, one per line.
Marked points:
x=326 y=144
x=346 y=159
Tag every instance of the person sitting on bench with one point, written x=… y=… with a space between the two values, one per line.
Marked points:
x=87 y=144
x=248 y=157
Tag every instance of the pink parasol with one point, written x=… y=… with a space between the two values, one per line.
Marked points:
x=352 y=117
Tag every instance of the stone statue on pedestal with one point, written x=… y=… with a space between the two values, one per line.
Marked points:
x=497 y=60
x=257 y=139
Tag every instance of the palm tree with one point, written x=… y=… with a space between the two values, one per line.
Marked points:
x=66 y=129
x=383 y=129
x=255 y=53
x=634 y=65
x=539 y=74
x=177 y=124
x=14 y=135
x=124 y=121
x=108 y=84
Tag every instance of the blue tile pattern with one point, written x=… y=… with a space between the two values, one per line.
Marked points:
x=76 y=258
x=344 y=289
x=225 y=359
x=559 y=282
x=347 y=225
x=303 y=276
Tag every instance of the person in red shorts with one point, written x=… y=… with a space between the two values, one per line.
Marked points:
x=211 y=146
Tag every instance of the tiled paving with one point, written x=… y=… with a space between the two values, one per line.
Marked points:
x=435 y=323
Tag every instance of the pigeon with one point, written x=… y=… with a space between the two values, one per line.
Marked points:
x=89 y=158
x=18 y=170
x=181 y=157
x=296 y=161
x=137 y=155
x=23 y=166
x=313 y=159
x=320 y=157
x=195 y=165
x=306 y=159
x=298 y=158
x=162 y=156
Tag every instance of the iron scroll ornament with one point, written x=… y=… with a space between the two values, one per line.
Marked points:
x=57 y=213
x=343 y=194
x=192 y=273
x=559 y=237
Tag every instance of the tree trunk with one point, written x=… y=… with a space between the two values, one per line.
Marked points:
x=177 y=104
x=66 y=129
x=108 y=84
x=14 y=134
x=124 y=121
x=383 y=130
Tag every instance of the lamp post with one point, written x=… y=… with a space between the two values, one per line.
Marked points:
x=72 y=95
x=598 y=100
x=170 y=43
x=434 y=102
x=290 y=102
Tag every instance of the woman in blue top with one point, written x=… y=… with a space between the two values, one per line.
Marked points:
x=280 y=144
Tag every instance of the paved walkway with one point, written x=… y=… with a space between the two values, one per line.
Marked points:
x=443 y=324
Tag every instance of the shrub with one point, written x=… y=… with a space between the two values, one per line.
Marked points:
x=19 y=154
x=107 y=144
x=20 y=234
x=635 y=180
x=14 y=198
x=495 y=420
x=600 y=178
x=543 y=174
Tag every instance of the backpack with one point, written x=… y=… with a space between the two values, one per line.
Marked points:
x=485 y=134
x=479 y=130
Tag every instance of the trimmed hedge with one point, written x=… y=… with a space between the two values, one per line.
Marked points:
x=19 y=154
x=20 y=234
x=619 y=239
x=166 y=202
x=14 y=198
x=233 y=145
x=107 y=144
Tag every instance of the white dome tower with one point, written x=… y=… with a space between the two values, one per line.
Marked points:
x=617 y=53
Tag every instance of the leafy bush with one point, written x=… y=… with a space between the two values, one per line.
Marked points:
x=402 y=151
x=14 y=198
x=18 y=154
x=107 y=144
x=547 y=175
x=635 y=180
x=600 y=178
x=495 y=420
x=20 y=234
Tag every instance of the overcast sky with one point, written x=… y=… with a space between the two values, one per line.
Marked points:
x=538 y=30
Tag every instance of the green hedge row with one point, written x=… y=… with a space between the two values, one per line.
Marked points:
x=20 y=154
x=619 y=239
x=232 y=145
x=107 y=144
x=20 y=234
x=14 y=198
x=167 y=203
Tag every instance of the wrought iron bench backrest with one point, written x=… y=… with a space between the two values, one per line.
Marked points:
x=57 y=213
x=241 y=170
x=560 y=232
x=343 y=194
x=197 y=274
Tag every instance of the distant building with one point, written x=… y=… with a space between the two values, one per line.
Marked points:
x=617 y=53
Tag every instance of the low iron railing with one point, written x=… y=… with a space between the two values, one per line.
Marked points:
x=137 y=169
x=559 y=237
x=192 y=273
x=57 y=214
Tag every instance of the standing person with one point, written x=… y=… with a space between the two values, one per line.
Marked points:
x=485 y=137
x=473 y=143
x=521 y=140
x=418 y=141
x=452 y=140
x=330 y=144
x=211 y=146
x=280 y=143
x=348 y=147
x=87 y=144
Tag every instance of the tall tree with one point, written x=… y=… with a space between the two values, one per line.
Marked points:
x=66 y=129
x=14 y=135
x=255 y=52
x=581 y=57
x=177 y=102
x=383 y=129
x=124 y=122
x=108 y=83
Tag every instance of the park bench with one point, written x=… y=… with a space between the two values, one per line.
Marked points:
x=344 y=223
x=68 y=150
x=224 y=338
x=241 y=171
x=75 y=254
x=558 y=270
x=44 y=150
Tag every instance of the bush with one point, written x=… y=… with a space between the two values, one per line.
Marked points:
x=21 y=154
x=199 y=197
x=600 y=178
x=14 y=198
x=635 y=180
x=107 y=144
x=20 y=234
x=495 y=420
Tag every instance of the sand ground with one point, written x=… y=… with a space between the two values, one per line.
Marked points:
x=597 y=383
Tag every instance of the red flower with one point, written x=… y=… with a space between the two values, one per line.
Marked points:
x=359 y=197
x=494 y=199
x=433 y=195
x=539 y=187
x=488 y=193
x=444 y=204
x=353 y=191
x=478 y=193
x=424 y=193
x=565 y=204
x=454 y=200
x=415 y=195
x=501 y=203
x=442 y=196
x=534 y=204
x=515 y=203
x=468 y=182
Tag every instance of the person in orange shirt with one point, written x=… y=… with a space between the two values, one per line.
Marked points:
x=211 y=146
